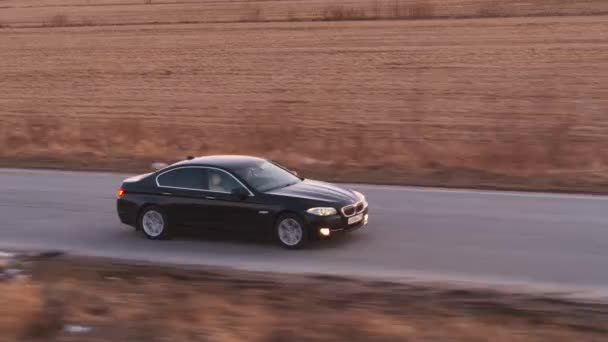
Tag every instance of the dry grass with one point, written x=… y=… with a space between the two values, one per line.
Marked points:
x=422 y=10
x=377 y=9
x=58 y=20
x=24 y=300
x=341 y=12
x=492 y=9
x=507 y=103
x=143 y=303
x=35 y=13
x=252 y=13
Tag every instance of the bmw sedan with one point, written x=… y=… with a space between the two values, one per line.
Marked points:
x=239 y=194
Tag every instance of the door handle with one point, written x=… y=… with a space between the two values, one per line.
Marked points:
x=210 y=197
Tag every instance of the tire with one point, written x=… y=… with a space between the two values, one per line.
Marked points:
x=153 y=223
x=290 y=232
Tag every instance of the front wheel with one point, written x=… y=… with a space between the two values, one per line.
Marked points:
x=290 y=232
x=153 y=223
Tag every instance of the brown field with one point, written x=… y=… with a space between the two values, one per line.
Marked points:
x=121 y=302
x=28 y=13
x=502 y=102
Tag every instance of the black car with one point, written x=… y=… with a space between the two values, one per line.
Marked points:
x=241 y=194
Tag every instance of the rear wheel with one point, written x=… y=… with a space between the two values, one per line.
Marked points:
x=153 y=223
x=290 y=232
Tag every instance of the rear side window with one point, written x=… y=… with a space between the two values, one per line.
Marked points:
x=187 y=178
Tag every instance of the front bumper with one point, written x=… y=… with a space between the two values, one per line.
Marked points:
x=336 y=224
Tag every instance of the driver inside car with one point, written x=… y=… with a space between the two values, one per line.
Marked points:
x=216 y=183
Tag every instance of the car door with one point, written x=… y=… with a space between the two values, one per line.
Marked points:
x=228 y=211
x=185 y=197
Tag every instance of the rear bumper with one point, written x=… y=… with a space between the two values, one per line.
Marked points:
x=127 y=211
x=337 y=224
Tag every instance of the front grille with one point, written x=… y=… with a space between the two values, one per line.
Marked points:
x=354 y=209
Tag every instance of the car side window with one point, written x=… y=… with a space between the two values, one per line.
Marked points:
x=220 y=181
x=185 y=178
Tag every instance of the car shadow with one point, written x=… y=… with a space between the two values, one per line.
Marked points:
x=215 y=236
x=261 y=240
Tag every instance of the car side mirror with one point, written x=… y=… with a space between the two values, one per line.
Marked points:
x=240 y=193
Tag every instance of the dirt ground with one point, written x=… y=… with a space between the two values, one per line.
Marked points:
x=71 y=299
x=495 y=102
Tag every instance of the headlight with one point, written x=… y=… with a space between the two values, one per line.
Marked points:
x=322 y=211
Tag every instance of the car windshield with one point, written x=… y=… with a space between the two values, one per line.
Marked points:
x=266 y=176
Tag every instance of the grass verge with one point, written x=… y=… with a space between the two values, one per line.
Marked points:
x=126 y=302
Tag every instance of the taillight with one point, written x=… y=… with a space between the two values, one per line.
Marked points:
x=121 y=192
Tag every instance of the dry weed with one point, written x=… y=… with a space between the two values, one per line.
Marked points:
x=397 y=9
x=25 y=303
x=58 y=20
x=20 y=15
x=492 y=9
x=253 y=13
x=341 y=12
x=377 y=9
x=86 y=22
x=434 y=106
x=150 y=303
x=422 y=10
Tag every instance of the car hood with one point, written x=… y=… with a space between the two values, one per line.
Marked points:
x=318 y=191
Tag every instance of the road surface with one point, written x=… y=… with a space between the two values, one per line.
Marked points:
x=488 y=237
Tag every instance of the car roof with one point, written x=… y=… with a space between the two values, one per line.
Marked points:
x=230 y=162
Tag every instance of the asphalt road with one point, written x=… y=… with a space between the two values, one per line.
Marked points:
x=488 y=237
